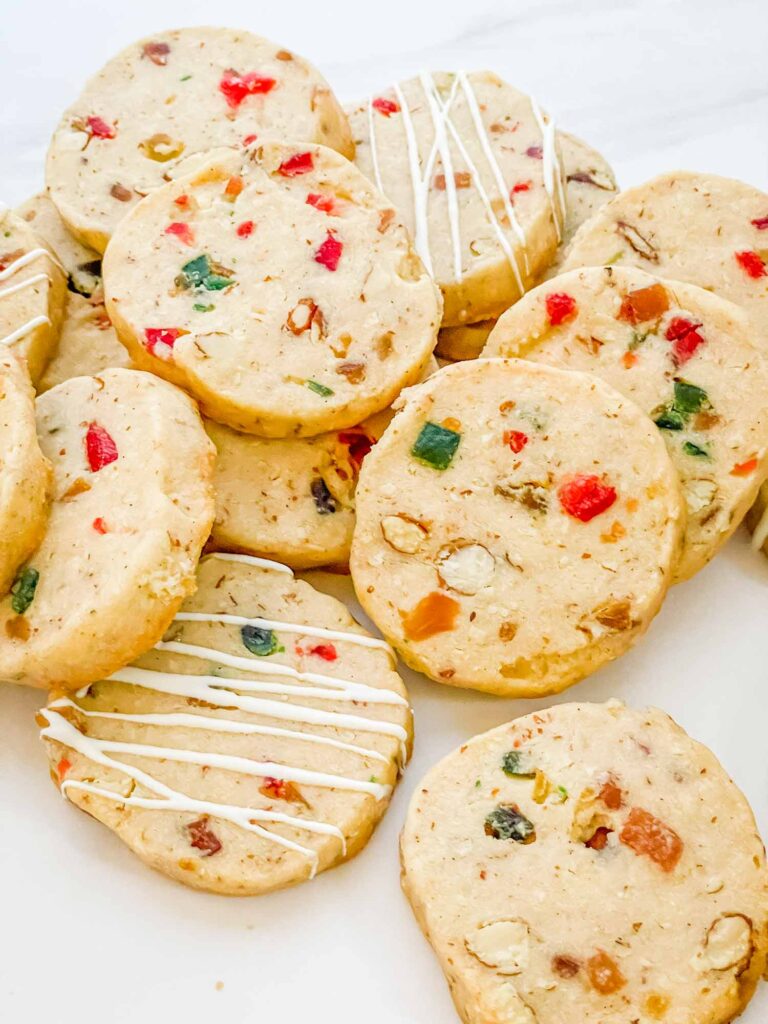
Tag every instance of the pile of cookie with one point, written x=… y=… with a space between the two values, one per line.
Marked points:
x=228 y=301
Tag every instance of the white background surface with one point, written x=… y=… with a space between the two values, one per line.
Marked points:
x=88 y=933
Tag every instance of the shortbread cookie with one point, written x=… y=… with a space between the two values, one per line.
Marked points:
x=517 y=527
x=473 y=166
x=292 y=499
x=87 y=343
x=589 y=184
x=708 y=231
x=278 y=287
x=685 y=357
x=32 y=294
x=132 y=507
x=167 y=97
x=588 y=863
x=24 y=472
x=255 y=746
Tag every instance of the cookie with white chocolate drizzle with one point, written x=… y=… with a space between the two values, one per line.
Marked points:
x=473 y=167
x=256 y=745
x=32 y=294
x=589 y=863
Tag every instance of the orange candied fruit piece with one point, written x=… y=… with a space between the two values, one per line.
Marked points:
x=745 y=468
x=611 y=795
x=234 y=187
x=435 y=613
x=646 y=834
x=604 y=974
x=644 y=304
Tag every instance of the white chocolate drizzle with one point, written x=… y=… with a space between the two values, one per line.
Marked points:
x=374 y=148
x=224 y=693
x=553 y=179
x=23 y=261
x=26 y=283
x=259 y=563
x=27 y=328
x=419 y=185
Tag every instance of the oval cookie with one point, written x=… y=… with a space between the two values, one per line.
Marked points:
x=685 y=357
x=473 y=166
x=515 y=540
x=589 y=184
x=32 y=294
x=87 y=342
x=172 y=95
x=132 y=507
x=258 y=744
x=699 y=228
x=588 y=863
x=278 y=287
x=24 y=472
x=290 y=499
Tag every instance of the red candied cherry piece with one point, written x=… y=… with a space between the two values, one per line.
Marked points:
x=325 y=651
x=182 y=231
x=585 y=496
x=99 y=525
x=329 y=253
x=358 y=443
x=249 y=139
x=182 y=201
x=520 y=186
x=516 y=440
x=62 y=768
x=560 y=307
x=236 y=87
x=685 y=335
x=761 y=223
x=752 y=263
x=326 y=204
x=159 y=340
x=100 y=447
x=98 y=127
x=299 y=163
x=203 y=838
x=245 y=229
x=385 y=106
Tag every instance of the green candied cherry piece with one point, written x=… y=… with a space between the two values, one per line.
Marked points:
x=260 y=641
x=695 y=450
x=668 y=418
x=516 y=763
x=436 y=446
x=23 y=589
x=199 y=307
x=319 y=389
x=195 y=272
x=215 y=282
x=506 y=822
x=689 y=398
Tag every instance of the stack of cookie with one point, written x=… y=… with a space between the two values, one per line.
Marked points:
x=231 y=327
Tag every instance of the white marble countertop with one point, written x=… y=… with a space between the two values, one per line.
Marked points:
x=89 y=934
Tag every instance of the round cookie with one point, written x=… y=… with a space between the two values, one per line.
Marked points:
x=132 y=507
x=290 y=499
x=278 y=287
x=87 y=342
x=685 y=357
x=24 y=472
x=516 y=540
x=588 y=863
x=699 y=228
x=589 y=184
x=167 y=97
x=32 y=294
x=473 y=166
x=259 y=744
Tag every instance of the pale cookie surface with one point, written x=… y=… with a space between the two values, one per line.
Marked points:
x=132 y=507
x=24 y=472
x=685 y=357
x=255 y=746
x=706 y=230
x=588 y=863
x=170 y=96
x=757 y=521
x=473 y=166
x=87 y=342
x=278 y=287
x=291 y=499
x=589 y=184
x=33 y=293
x=516 y=540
